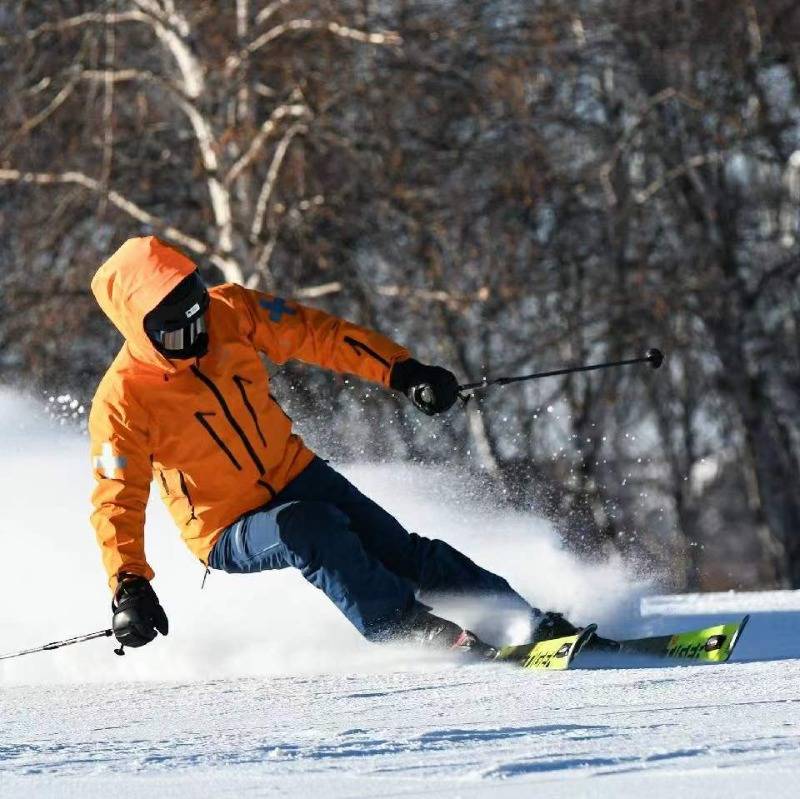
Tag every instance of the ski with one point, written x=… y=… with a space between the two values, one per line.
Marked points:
x=713 y=644
x=554 y=655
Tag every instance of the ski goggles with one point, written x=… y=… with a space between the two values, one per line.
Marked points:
x=182 y=338
x=179 y=319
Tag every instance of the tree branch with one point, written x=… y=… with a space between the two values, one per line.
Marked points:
x=272 y=175
x=108 y=108
x=204 y=136
x=44 y=114
x=428 y=295
x=231 y=270
x=173 y=39
x=267 y=128
x=388 y=38
x=84 y=19
x=171 y=29
x=664 y=96
x=270 y=10
x=686 y=167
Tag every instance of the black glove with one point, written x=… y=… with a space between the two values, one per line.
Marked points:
x=431 y=388
x=137 y=612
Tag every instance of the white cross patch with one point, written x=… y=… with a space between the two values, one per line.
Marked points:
x=107 y=462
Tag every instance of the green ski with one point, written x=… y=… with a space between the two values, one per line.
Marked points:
x=713 y=644
x=554 y=655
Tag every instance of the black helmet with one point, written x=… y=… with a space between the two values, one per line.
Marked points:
x=177 y=325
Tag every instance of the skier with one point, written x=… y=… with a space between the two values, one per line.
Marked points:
x=186 y=402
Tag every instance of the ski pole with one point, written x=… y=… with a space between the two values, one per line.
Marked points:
x=79 y=639
x=654 y=357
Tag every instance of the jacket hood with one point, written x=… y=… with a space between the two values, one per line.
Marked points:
x=131 y=283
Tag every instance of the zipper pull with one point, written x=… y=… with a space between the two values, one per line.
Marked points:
x=205 y=575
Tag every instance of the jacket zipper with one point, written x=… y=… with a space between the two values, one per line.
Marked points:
x=240 y=381
x=360 y=346
x=230 y=417
x=201 y=417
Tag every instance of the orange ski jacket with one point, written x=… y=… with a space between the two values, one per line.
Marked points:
x=207 y=430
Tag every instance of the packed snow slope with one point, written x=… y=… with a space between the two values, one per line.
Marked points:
x=261 y=689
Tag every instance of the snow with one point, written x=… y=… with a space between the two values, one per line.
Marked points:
x=261 y=689
x=728 y=602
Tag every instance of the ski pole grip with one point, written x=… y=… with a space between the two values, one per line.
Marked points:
x=423 y=396
x=655 y=356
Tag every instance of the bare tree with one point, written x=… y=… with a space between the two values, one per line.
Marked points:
x=503 y=186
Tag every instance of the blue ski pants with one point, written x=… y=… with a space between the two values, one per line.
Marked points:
x=349 y=547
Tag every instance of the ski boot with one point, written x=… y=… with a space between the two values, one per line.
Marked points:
x=553 y=625
x=549 y=625
x=433 y=631
x=600 y=644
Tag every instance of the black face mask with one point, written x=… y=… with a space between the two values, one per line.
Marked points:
x=177 y=325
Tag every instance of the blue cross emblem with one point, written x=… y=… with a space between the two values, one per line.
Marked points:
x=277 y=308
